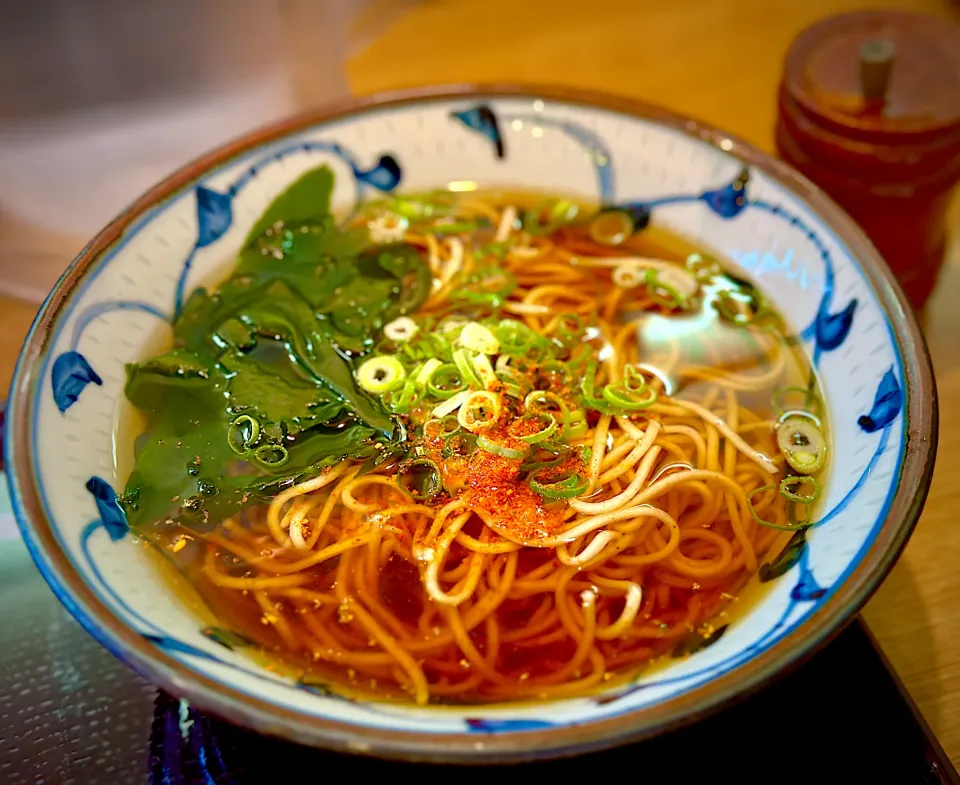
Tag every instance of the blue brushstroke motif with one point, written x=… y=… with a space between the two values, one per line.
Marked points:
x=214 y=215
x=111 y=514
x=730 y=200
x=96 y=310
x=506 y=726
x=807 y=588
x=832 y=328
x=887 y=404
x=483 y=120
x=180 y=647
x=70 y=374
x=861 y=481
x=385 y=176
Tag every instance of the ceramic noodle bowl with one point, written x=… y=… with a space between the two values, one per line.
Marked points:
x=775 y=228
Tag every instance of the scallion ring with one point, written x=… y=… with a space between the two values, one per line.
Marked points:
x=477 y=338
x=546 y=427
x=567 y=488
x=802 y=443
x=464 y=362
x=420 y=478
x=403 y=398
x=575 y=424
x=271 y=455
x=544 y=402
x=740 y=308
x=243 y=434
x=445 y=381
x=515 y=338
x=703 y=266
x=425 y=371
x=479 y=411
x=484 y=370
x=497 y=448
x=378 y=374
x=548 y=216
x=787 y=484
x=661 y=292
x=450 y=405
x=769 y=524
x=621 y=398
x=401 y=329
x=611 y=227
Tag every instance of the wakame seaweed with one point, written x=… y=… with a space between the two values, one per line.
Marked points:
x=272 y=348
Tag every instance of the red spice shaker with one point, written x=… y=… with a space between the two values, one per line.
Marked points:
x=869 y=109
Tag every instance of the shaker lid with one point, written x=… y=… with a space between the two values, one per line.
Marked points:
x=878 y=74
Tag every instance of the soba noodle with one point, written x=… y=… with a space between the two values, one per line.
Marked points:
x=478 y=559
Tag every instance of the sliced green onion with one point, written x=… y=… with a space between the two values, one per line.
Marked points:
x=633 y=379
x=401 y=329
x=445 y=427
x=451 y=404
x=661 y=292
x=487 y=286
x=703 y=266
x=739 y=307
x=244 y=433
x=480 y=410
x=547 y=427
x=464 y=361
x=459 y=443
x=544 y=402
x=567 y=488
x=512 y=383
x=484 y=370
x=477 y=338
x=489 y=445
x=770 y=524
x=611 y=227
x=802 y=443
x=378 y=374
x=402 y=398
x=515 y=337
x=445 y=381
x=575 y=424
x=451 y=326
x=271 y=455
x=810 y=401
x=569 y=327
x=548 y=216
x=420 y=478
x=787 y=484
x=425 y=371
x=588 y=390
x=619 y=397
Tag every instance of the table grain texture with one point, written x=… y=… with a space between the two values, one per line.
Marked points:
x=717 y=60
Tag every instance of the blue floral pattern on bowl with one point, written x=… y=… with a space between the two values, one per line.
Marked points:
x=657 y=172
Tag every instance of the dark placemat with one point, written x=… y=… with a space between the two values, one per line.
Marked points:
x=70 y=714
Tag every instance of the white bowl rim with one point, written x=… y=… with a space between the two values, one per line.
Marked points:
x=920 y=429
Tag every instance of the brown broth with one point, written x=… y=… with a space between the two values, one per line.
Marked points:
x=694 y=338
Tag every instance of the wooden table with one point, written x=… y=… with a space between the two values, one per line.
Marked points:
x=718 y=60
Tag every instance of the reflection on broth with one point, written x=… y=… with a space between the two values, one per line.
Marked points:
x=473 y=446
